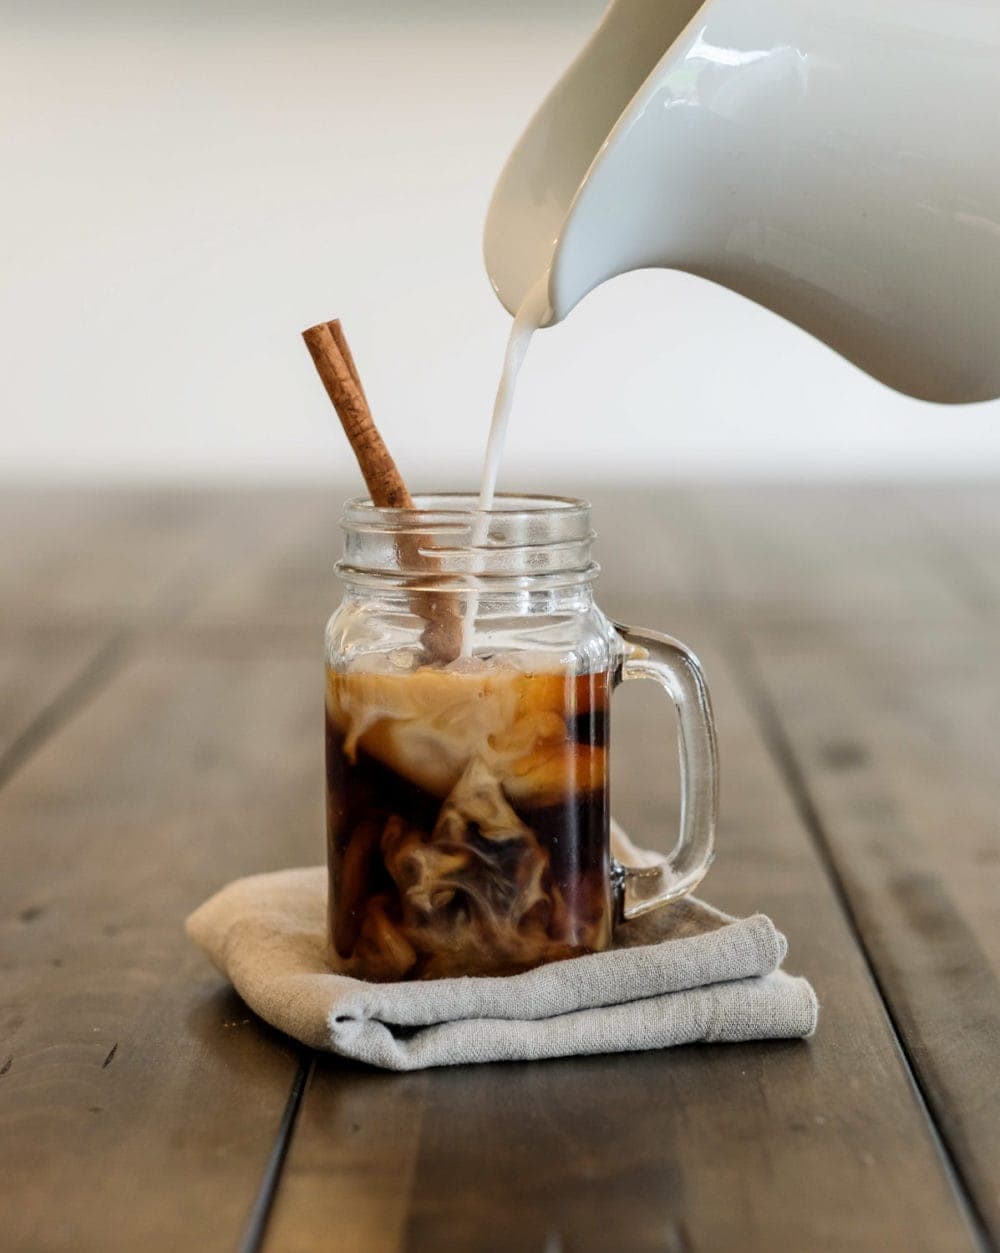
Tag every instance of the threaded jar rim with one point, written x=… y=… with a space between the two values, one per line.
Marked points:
x=523 y=541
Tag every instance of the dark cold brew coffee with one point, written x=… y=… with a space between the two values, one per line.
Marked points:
x=467 y=818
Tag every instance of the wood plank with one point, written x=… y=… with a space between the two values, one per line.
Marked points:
x=962 y=525
x=41 y=670
x=889 y=721
x=818 y=556
x=138 y=1099
x=66 y=602
x=896 y=742
x=87 y=570
x=95 y=556
x=114 y=555
x=822 y=1145
x=289 y=584
x=355 y=1151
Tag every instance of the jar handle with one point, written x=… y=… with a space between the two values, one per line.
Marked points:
x=639 y=889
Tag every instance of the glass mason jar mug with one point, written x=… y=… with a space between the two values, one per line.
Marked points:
x=469 y=676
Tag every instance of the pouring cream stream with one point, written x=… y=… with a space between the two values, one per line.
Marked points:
x=533 y=313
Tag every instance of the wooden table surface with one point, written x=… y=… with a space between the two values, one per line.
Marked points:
x=160 y=733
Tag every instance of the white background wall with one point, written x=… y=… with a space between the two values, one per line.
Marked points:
x=185 y=189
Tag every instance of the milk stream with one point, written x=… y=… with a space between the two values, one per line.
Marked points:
x=532 y=314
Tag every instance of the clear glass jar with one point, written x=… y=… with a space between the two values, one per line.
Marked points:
x=469 y=677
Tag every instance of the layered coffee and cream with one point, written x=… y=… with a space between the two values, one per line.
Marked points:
x=468 y=812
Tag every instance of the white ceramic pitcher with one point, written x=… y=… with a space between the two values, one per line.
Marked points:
x=837 y=161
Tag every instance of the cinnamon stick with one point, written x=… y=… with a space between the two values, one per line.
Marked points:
x=337 y=331
x=335 y=365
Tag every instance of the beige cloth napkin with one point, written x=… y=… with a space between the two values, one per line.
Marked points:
x=682 y=974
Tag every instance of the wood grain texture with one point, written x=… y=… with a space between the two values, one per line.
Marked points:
x=355 y=1152
x=816 y=557
x=287 y=587
x=962 y=525
x=139 y=1100
x=74 y=578
x=889 y=719
x=44 y=674
x=99 y=556
x=85 y=572
x=822 y=1145
x=898 y=751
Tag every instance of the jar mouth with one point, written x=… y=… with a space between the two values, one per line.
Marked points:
x=462 y=507
x=446 y=539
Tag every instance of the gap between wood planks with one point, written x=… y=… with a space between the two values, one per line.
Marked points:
x=256 y=1228
x=951 y=560
x=174 y=601
x=96 y=674
x=171 y=603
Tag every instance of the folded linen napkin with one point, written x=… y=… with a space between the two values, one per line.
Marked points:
x=682 y=974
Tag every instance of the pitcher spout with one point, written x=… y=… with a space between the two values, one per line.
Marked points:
x=790 y=153
x=542 y=178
